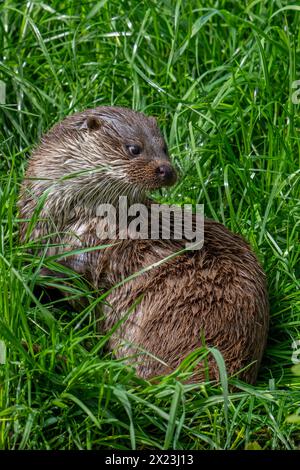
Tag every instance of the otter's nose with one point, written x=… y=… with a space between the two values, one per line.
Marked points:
x=166 y=174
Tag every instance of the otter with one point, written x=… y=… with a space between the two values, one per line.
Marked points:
x=215 y=296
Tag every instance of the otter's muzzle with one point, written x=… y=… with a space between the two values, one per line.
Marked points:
x=166 y=174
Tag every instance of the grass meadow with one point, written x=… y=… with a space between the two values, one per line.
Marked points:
x=220 y=76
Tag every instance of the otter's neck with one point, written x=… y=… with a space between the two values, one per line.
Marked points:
x=70 y=201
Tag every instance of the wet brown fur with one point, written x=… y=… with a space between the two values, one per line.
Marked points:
x=218 y=292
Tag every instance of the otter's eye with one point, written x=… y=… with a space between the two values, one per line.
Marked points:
x=134 y=149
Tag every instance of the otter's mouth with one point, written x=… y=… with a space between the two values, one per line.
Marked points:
x=153 y=175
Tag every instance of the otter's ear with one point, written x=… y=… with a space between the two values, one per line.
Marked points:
x=153 y=121
x=91 y=123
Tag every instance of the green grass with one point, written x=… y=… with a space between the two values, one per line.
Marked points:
x=218 y=75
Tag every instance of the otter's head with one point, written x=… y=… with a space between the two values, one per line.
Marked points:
x=130 y=144
x=98 y=155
